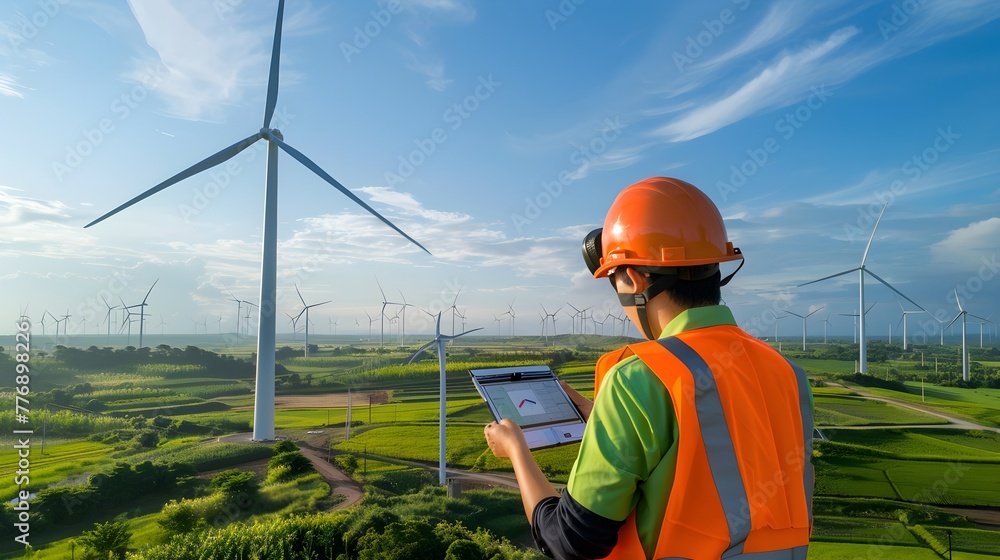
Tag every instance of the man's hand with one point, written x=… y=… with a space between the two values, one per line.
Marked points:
x=505 y=438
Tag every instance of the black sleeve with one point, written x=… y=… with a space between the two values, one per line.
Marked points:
x=564 y=529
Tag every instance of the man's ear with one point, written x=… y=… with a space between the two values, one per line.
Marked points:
x=639 y=281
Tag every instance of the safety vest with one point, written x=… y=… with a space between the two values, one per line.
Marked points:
x=743 y=481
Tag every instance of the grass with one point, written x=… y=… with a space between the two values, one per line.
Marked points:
x=934 y=444
x=61 y=462
x=977 y=405
x=928 y=482
x=860 y=530
x=839 y=410
x=846 y=551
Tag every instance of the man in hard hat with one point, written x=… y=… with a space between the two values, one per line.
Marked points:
x=698 y=442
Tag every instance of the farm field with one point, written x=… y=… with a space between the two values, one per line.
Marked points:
x=927 y=468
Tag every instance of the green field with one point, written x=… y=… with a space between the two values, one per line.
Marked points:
x=842 y=410
x=913 y=471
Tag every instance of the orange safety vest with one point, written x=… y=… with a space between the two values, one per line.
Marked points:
x=743 y=481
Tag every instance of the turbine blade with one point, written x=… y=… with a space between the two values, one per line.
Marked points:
x=814 y=281
x=958 y=301
x=381 y=291
x=300 y=296
x=326 y=177
x=421 y=350
x=150 y=291
x=869 y=246
x=207 y=163
x=818 y=310
x=952 y=321
x=450 y=337
x=978 y=317
x=797 y=315
x=888 y=285
x=272 y=77
x=870 y=307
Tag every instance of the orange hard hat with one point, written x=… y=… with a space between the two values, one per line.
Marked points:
x=659 y=222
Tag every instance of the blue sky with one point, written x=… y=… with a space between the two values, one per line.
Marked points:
x=496 y=134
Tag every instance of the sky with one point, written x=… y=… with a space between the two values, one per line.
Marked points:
x=497 y=135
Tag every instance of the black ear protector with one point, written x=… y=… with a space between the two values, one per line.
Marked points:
x=592 y=250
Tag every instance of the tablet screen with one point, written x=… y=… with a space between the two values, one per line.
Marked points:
x=530 y=402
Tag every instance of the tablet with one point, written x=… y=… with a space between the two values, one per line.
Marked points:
x=532 y=397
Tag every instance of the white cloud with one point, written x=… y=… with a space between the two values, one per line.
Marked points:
x=968 y=245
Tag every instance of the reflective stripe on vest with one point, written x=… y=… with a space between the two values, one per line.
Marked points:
x=797 y=553
x=698 y=387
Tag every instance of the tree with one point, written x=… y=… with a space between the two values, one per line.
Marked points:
x=178 y=517
x=108 y=540
x=464 y=550
x=234 y=482
x=292 y=463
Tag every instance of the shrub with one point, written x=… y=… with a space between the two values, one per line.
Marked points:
x=234 y=482
x=291 y=464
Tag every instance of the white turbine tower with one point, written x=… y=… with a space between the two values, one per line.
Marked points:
x=107 y=318
x=263 y=424
x=861 y=270
x=803 y=317
x=905 y=313
x=439 y=341
x=239 y=307
x=965 y=354
x=306 y=310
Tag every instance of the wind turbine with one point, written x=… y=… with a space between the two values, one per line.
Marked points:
x=855 y=315
x=263 y=424
x=306 y=310
x=161 y=324
x=510 y=311
x=239 y=306
x=965 y=354
x=295 y=324
x=142 y=310
x=370 y=323
x=803 y=317
x=905 y=313
x=861 y=270
x=42 y=322
x=454 y=309
x=983 y=322
x=826 y=323
x=439 y=341
x=107 y=318
x=402 y=326
x=65 y=318
x=333 y=325
x=385 y=302
x=220 y=324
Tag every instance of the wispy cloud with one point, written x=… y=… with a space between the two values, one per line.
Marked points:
x=788 y=79
x=968 y=245
x=432 y=70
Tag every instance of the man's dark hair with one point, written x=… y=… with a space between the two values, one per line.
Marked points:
x=697 y=293
x=689 y=293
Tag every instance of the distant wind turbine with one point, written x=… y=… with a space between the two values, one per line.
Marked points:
x=107 y=318
x=905 y=313
x=239 y=306
x=804 y=317
x=306 y=310
x=965 y=353
x=439 y=341
x=861 y=270
x=263 y=423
